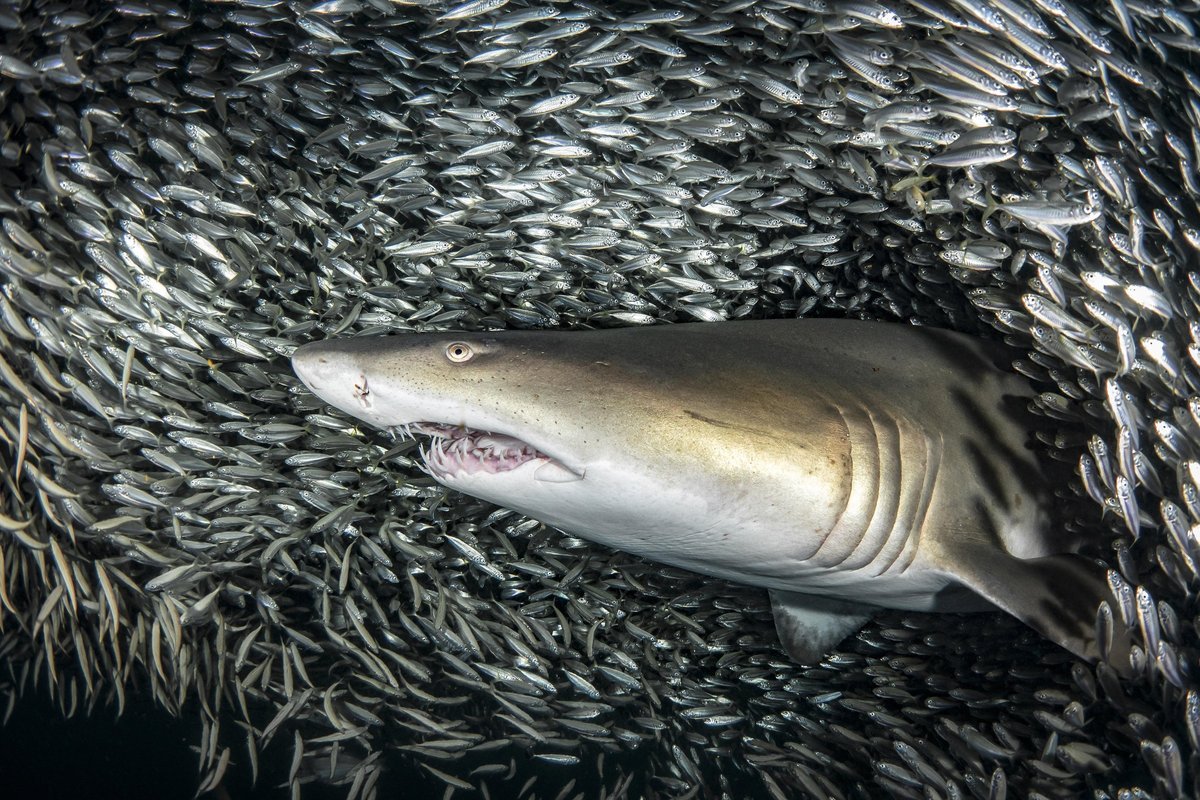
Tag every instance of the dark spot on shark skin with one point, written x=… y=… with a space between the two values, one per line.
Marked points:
x=981 y=526
x=988 y=447
x=955 y=595
x=982 y=354
x=989 y=479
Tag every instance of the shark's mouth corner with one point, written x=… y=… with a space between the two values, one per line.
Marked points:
x=456 y=450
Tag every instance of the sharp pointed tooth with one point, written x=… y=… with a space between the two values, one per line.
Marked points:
x=426 y=464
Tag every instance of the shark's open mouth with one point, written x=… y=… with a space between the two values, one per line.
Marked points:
x=454 y=449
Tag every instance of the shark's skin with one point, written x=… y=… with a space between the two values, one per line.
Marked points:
x=843 y=465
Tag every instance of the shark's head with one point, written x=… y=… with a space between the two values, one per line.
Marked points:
x=642 y=443
x=517 y=418
x=473 y=394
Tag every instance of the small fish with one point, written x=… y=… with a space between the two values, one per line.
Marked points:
x=1040 y=212
x=971 y=156
x=472 y=8
x=551 y=105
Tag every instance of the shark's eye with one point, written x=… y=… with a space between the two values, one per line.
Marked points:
x=459 y=352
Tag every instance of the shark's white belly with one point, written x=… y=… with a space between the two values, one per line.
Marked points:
x=772 y=529
x=744 y=541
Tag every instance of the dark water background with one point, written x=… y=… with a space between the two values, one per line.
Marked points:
x=147 y=753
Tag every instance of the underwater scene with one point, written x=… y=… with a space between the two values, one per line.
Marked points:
x=573 y=400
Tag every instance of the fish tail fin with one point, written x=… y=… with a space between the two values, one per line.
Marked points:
x=992 y=208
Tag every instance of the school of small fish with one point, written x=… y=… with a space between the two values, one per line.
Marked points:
x=190 y=191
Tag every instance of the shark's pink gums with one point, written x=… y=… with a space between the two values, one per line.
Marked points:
x=451 y=450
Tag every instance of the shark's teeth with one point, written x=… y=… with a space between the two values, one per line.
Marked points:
x=455 y=449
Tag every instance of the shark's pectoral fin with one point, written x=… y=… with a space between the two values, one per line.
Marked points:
x=809 y=626
x=1058 y=596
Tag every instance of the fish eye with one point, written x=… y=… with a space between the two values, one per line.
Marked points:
x=458 y=352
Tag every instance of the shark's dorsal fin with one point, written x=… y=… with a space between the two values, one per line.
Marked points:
x=810 y=626
x=1058 y=595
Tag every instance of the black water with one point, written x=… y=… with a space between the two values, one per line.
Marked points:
x=146 y=753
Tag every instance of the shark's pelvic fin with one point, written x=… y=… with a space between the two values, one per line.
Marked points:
x=810 y=627
x=1058 y=595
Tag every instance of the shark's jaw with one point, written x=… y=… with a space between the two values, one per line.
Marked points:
x=456 y=451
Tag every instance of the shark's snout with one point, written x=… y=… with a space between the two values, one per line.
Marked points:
x=334 y=373
x=306 y=361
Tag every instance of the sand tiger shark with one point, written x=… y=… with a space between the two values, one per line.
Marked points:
x=844 y=466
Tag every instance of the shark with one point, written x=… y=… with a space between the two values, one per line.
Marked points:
x=845 y=466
